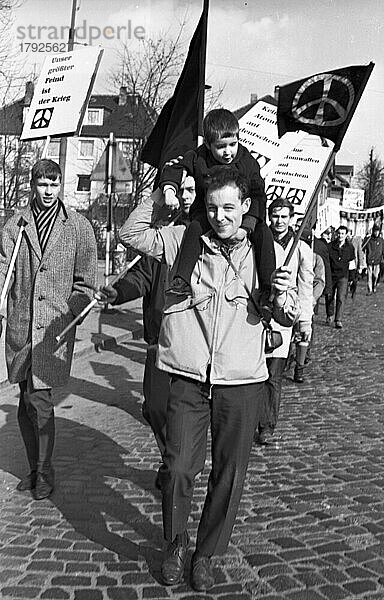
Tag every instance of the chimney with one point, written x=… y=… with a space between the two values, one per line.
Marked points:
x=253 y=98
x=123 y=96
x=29 y=89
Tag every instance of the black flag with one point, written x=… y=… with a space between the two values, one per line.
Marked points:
x=180 y=121
x=322 y=104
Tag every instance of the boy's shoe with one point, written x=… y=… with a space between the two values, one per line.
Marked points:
x=172 y=568
x=179 y=287
x=28 y=482
x=338 y=325
x=202 y=578
x=328 y=320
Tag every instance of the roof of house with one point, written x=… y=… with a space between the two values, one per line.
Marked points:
x=130 y=120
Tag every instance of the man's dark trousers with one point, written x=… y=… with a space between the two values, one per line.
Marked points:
x=339 y=289
x=37 y=425
x=156 y=391
x=232 y=412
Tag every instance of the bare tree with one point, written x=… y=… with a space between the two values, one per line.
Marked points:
x=150 y=75
x=371 y=180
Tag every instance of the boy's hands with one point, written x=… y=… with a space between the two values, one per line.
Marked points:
x=171 y=200
x=106 y=294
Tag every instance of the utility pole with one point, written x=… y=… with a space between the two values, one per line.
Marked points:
x=370 y=185
x=63 y=140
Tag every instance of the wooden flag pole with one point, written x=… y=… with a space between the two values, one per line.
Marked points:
x=12 y=264
x=46 y=144
x=97 y=298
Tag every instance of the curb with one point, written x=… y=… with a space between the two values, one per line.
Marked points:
x=107 y=342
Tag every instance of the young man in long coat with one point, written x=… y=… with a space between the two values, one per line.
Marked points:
x=53 y=280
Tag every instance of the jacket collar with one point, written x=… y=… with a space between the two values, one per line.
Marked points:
x=31 y=232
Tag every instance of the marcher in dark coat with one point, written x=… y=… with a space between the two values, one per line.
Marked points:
x=341 y=252
x=147 y=280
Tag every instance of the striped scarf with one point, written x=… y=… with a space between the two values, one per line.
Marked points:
x=44 y=220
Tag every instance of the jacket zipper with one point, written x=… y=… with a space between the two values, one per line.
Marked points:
x=218 y=306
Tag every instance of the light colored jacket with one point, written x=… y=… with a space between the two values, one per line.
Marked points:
x=45 y=294
x=302 y=277
x=217 y=325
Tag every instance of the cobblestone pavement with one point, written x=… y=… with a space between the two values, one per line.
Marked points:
x=311 y=521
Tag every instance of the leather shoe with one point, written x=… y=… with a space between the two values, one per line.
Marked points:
x=27 y=483
x=202 y=578
x=338 y=325
x=172 y=568
x=44 y=485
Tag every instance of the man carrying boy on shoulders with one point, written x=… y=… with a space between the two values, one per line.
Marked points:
x=212 y=344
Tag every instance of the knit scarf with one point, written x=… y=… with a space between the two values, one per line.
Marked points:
x=44 y=220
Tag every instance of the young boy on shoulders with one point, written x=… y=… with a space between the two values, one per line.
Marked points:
x=221 y=147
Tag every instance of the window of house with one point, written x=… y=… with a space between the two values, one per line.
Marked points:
x=83 y=183
x=127 y=150
x=94 y=116
x=86 y=148
x=53 y=150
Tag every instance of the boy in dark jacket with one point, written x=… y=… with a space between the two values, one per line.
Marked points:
x=221 y=147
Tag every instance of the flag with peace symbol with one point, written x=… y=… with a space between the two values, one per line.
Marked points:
x=322 y=104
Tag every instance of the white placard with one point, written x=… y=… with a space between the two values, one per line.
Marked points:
x=61 y=93
x=291 y=165
x=353 y=198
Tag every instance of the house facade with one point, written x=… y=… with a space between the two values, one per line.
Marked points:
x=124 y=115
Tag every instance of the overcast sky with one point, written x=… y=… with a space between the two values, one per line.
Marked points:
x=252 y=46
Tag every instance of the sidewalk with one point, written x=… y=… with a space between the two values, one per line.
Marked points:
x=98 y=328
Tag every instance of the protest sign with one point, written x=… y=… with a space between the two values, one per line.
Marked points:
x=291 y=165
x=353 y=198
x=62 y=93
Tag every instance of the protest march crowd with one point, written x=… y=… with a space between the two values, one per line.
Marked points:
x=225 y=314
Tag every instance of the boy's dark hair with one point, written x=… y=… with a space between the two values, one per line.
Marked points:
x=281 y=203
x=219 y=123
x=46 y=168
x=222 y=175
x=342 y=227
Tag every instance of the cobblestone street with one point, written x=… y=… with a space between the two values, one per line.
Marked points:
x=311 y=520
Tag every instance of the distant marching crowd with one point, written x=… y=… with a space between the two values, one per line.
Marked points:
x=223 y=318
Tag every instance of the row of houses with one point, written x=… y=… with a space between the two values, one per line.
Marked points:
x=125 y=115
x=129 y=119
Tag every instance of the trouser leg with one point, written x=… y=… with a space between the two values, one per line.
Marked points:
x=188 y=416
x=37 y=424
x=369 y=278
x=156 y=385
x=27 y=430
x=342 y=288
x=272 y=394
x=235 y=411
x=330 y=301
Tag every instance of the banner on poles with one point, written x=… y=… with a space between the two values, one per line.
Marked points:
x=62 y=93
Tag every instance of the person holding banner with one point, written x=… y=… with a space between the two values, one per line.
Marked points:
x=280 y=213
x=147 y=280
x=54 y=277
x=212 y=344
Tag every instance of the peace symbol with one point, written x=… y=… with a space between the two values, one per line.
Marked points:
x=42 y=118
x=342 y=111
